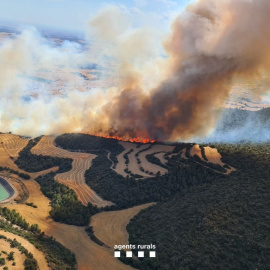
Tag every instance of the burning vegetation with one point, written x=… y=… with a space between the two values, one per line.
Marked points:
x=124 y=139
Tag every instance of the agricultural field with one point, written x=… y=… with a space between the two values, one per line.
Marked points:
x=75 y=177
x=135 y=135
x=110 y=227
x=125 y=178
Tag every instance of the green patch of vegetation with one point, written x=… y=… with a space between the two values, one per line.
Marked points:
x=35 y=163
x=127 y=192
x=88 y=143
x=126 y=156
x=203 y=153
x=2 y=261
x=65 y=206
x=223 y=224
x=17 y=219
x=152 y=159
x=213 y=166
x=31 y=204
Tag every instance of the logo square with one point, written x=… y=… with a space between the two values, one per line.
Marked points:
x=129 y=254
x=152 y=254
x=117 y=254
x=140 y=254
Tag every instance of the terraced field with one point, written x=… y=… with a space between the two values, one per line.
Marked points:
x=133 y=165
x=12 y=144
x=75 y=177
x=157 y=148
x=137 y=159
x=121 y=166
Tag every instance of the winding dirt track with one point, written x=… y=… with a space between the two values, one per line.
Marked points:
x=38 y=255
x=75 y=177
x=110 y=227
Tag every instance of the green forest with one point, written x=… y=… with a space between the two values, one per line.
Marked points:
x=218 y=225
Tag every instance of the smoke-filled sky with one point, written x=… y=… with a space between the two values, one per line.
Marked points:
x=169 y=83
x=73 y=15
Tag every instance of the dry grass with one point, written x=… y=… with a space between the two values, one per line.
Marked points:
x=18 y=256
x=9 y=147
x=196 y=150
x=89 y=254
x=158 y=148
x=133 y=165
x=110 y=227
x=121 y=166
x=75 y=177
x=161 y=158
x=213 y=155
x=12 y=144
x=38 y=255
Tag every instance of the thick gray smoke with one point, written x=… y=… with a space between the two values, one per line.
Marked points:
x=212 y=43
x=179 y=97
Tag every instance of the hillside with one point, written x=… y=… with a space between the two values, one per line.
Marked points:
x=211 y=199
x=223 y=225
x=135 y=189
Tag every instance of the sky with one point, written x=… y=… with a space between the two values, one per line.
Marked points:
x=73 y=15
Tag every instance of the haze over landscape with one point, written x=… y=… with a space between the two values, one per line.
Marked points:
x=115 y=78
x=139 y=126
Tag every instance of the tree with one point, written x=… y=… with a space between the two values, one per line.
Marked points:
x=2 y=261
x=10 y=256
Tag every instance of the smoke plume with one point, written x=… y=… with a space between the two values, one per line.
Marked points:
x=211 y=43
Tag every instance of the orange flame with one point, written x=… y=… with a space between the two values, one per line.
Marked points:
x=133 y=140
